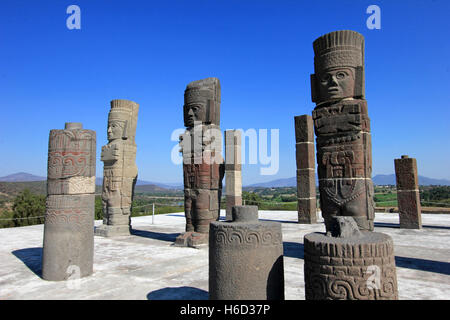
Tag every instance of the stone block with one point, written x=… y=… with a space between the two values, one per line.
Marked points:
x=305 y=155
x=306 y=183
x=304 y=128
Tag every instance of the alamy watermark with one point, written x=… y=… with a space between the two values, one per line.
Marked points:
x=205 y=145
x=74 y=20
x=374 y=20
x=74 y=279
x=374 y=280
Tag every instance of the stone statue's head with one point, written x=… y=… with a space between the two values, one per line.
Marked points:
x=122 y=120
x=338 y=66
x=202 y=102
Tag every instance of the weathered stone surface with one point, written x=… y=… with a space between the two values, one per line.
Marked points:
x=246 y=258
x=409 y=209
x=119 y=169
x=306 y=180
x=233 y=173
x=68 y=246
x=304 y=128
x=306 y=183
x=343 y=227
x=203 y=167
x=408 y=196
x=71 y=160
x=406 y=173
x=68 y=236
x=307 y=210
x=353 y=268
x=342 y=128
x=231 y=202
x=305 y=155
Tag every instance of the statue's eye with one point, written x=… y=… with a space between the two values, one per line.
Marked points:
x=340 y=75
x=325 y=77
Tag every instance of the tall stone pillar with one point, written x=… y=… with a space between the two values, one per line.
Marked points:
x=306 y=180
x=246 y=258
x=349 y=261
x=68 y=249
x=233 y=170
x=408 y=196
x=203 y=167
x=119 y=169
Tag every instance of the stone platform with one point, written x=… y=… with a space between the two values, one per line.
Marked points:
x=145 y=265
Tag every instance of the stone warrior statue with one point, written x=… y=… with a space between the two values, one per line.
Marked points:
x=120 y=170
x=350 y=261
x=342 y=128
x=203 y=167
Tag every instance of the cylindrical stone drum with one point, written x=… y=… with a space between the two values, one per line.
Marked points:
x=68 y=249
x=246 y=258
x=354 y=268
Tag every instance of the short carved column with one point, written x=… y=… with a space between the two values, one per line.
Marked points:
x=306 y=180
x=246 y=258
x=69 y=219
x=350 y=267
x=408 y=196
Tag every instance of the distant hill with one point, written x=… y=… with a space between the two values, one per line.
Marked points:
x=389 y=179
x=379 y=179
x=288 y=182
x=99 y=182
x=22 y=177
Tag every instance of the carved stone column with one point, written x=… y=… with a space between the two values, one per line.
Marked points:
x=349 y=265
x=246 y=258
x=233 y=170
x=408 y=195
x=306 y=179
x=68 y=249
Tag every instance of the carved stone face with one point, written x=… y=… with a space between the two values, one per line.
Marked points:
x=115 y=129
x=336 y=83
x=194 y=112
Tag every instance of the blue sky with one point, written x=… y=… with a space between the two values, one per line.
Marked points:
x=148 y=51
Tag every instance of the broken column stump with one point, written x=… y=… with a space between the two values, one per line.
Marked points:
x=246 y=258
x=68 y=249
x=408 y=196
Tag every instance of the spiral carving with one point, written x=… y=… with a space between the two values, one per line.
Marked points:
x=337 y=269
x=233 y=235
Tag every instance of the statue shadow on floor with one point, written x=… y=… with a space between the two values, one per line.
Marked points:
x=293 y=250
x=423 y=265
x=32 y=258
x=169 y=237
x=178 y=293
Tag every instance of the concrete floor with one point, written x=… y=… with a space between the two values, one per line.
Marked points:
x=146 y=266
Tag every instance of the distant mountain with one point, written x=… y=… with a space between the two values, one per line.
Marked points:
x=288 y=182
x=379 y=179
x=386 y=179
x=176 y=186
x=22 y=177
